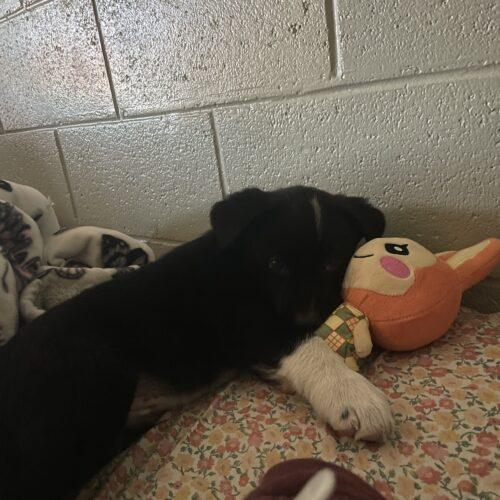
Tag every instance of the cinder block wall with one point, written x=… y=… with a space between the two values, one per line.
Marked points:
x=139 y=115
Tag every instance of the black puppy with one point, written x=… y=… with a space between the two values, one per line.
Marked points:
x=246 y=294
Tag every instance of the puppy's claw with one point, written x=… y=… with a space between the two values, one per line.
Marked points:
x=367 y=417
x=377 y=422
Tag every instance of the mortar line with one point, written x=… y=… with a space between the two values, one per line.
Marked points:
x=65 y=172
x=331 y=27
x=81 y=123
x=337 y=90
x=106 y=60
x=156 y=240
x=23 y=9
x=339 y=62
x=218 y=156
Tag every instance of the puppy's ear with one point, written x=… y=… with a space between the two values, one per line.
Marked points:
x=369 y=219
x=231 y=216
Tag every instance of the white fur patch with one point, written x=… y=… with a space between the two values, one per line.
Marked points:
x=153 y=398
x=317 y=215
x=344 y=398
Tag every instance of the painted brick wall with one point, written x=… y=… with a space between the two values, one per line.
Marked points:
x=139 y=115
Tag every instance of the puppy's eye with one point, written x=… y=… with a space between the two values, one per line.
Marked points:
x=397 y=249
x=277 y=266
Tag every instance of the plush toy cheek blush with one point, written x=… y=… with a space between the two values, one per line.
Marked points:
x=418 y=295
x=395 y=267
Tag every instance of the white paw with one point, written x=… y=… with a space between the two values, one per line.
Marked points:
x=341 y=396
x=358 y=408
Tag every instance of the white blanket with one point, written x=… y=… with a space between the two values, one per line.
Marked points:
x=41 y=265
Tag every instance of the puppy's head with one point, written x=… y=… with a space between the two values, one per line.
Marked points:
x=297 y=242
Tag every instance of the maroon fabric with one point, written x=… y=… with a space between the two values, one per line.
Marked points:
x=285 y=480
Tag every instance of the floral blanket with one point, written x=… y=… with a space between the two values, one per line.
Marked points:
x=445 y=398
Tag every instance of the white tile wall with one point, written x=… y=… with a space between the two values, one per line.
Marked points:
x=428 y=155
x=155 y=178
x=188 y=52
x=32 y=158
x=390 y=38
x=52 y=69
x=9 y=7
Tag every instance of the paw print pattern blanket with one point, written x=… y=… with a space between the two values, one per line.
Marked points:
x=42 y=264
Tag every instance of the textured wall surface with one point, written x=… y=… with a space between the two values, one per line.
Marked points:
x=139 y=115
x=402 y=148
x=152 y=178
x=390 y=38
x=52 y=67
x=32 y=158
x=187 y=53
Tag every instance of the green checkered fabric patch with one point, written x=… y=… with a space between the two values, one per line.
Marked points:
x=323 y=331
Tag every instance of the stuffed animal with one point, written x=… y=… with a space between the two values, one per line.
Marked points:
x=401 y=296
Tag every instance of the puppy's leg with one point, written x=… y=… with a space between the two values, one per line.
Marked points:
x=344 y=398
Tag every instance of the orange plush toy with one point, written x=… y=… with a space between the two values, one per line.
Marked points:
x=402 y=296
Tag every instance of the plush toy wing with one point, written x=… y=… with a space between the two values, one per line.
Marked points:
x=474 y=263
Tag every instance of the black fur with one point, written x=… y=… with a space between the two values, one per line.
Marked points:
x=244 y=294
x=6 y=186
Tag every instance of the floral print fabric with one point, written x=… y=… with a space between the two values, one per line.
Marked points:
x=444 y=397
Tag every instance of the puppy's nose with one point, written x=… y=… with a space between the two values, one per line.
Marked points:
x=308 y=316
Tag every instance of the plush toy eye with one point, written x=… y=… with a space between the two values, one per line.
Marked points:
x=277 y=266
x=397 y=249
